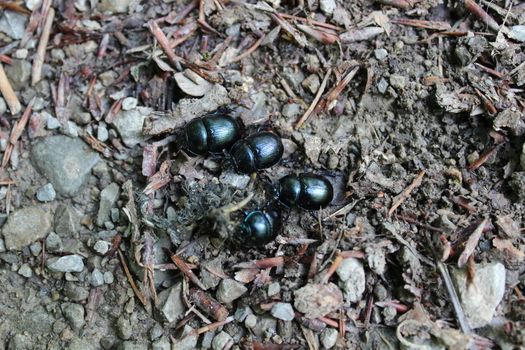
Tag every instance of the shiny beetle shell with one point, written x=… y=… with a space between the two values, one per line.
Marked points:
x=210 y=134
x=258 y=228
x=256 y=152
x=306 y=191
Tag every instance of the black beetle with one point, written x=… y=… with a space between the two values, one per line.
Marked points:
x=258 y=227
x=258 y=151
x=307 y=191
x=210 y=134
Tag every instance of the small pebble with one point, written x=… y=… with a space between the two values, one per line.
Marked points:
x=283 y=311
x=250 y=321
x=382 y=85
x=222 y=341
x=53 y=242
x=3 y=106
x=129 y=103
x=380 y=54
x=52 y=122
x=102 y=133
x=397 y=81
x=274 y=288
x=108 y=277
x=101 y=247
x=21 y=54
x=25 y=271
x=46 y=193
x=2 y=246
x=33 y=4
x=327 y=6
x=97 y=278
x=35 y=248
x=68 y=263
x=329 y=337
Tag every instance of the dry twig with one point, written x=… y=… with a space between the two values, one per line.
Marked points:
x=38 y=61
x=399 y=199
x=9 y=95
x=310 y=109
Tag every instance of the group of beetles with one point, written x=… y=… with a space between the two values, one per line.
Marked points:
x=219 y=131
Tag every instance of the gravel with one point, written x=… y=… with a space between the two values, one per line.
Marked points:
x=74 y=314
x=25 y=270
x=108 y=198
x=329 y=337
x=222 y=341
x=97 y=278
x=352 y=279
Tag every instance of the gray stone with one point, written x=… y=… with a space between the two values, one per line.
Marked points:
x=294 y=76
x=2 y=246
x=74 y=314
x=327 y=6
x=68 y=263
x=242 y=312
x=33 y=4
x=3 y=106
x=207 y=339
x=35 y=248
x=21 y=342
x=312 y=83
x=171 y=305
x=265 y=324
x=46 y=193
x=211 y=280
x=352 y=279
x=480 y=297
x=101 y=247
x=13 y=24
x=124 y=328
x=75 y=292
x=26 y=226
x=315 y=300
x=186 y=341
x=129 y=125
x=102 y=133
x=283 y=311
x=155 y=332
x=65 y=162
x=111 y=6
x=52 y=122
x=291 y=110
x=161 y=344
x=25 y=271
x=274 y=288
x=18 y=73
x=53 y=243
x=397 y=81
x=329 y=337
x=222 y=341
x=67 y=221
x=380 y=54
x=108 y=198
x=517 y=33
x=97 y=278
x=250 y=321
x=129 y=103
x=108 y=277
x=230 y=290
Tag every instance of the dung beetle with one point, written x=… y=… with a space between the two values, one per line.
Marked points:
x=211 y=133
x=255 y=152
x=258 y=227
x=307 y=191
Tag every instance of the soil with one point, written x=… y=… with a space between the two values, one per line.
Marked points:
x=413 y=110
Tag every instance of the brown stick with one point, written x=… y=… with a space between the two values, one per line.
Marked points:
x=208 y=304
x=249 y=51
x=262 y=264
x=310 y=109
x=138 y=293
x=38 y=61
x=18 y=128
x=398 y=200
x=337 y=262
x=8 y=93
x=311 y=21
x=213 y=326
x=181 y=264
x=483 y=158
x=477 y=11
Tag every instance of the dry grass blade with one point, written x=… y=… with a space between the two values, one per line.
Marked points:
x=248 y=52
x=398 y=200
x=137 y=292
x=323 y=36
x=471 y=243
x=18 y=128
x=38 y=61
x=434 y=25
x=181 y=264
x=287 y=27
x=310 y=109
x=330 y=101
